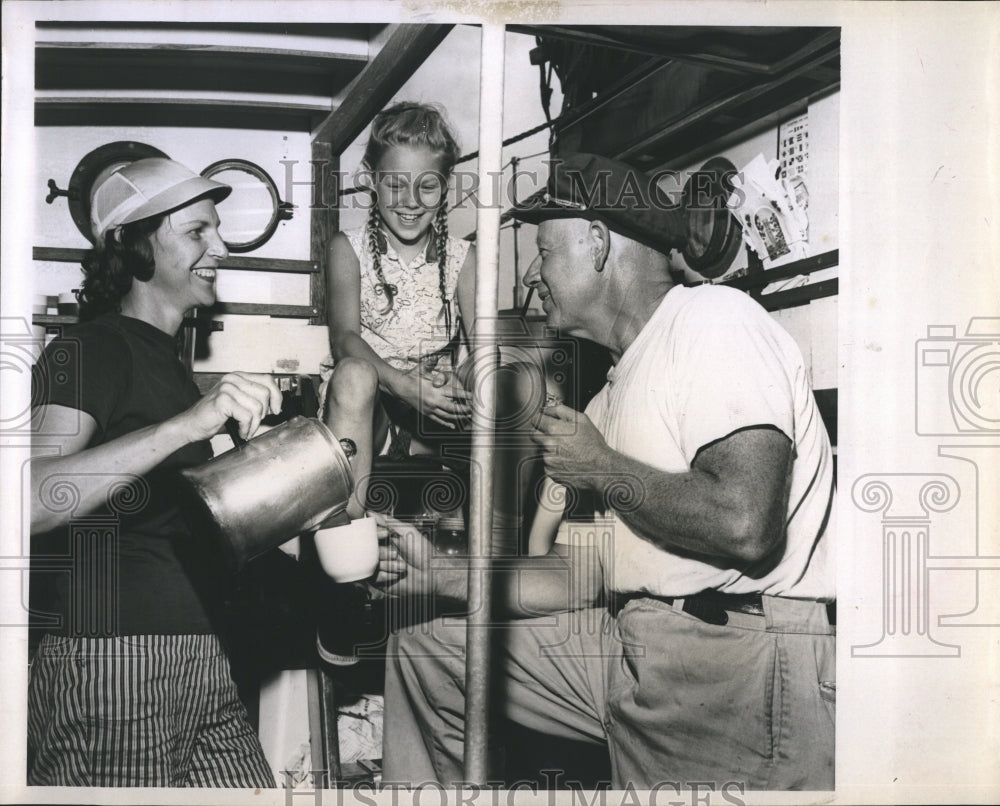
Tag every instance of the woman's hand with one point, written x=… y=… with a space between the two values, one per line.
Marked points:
x=94 y=471
x=246 y=398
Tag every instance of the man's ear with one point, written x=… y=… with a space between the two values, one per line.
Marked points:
x=600 y=244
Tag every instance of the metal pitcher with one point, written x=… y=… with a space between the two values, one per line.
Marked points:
x=268 y=490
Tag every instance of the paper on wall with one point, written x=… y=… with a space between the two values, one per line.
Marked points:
x=772 y=212
x=793 y=146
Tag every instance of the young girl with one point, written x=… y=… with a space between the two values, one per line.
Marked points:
x=399 y=288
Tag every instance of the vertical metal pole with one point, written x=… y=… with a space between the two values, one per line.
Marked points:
x=477 y=669
x=516 y=226
x=189 y=338
x=324 y=221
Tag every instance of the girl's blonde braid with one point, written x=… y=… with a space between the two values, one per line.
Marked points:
x=373 y=234
x=441 y=245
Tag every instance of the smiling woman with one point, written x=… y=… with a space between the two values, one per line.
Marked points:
x=142 y=214
x=187 y=249
x=119 y=419
x=116 y=434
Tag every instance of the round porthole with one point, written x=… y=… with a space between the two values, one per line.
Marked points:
x=252 y=212
x=714 y=235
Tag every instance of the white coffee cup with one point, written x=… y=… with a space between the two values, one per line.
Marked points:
x=68 y=304
x=350 y=552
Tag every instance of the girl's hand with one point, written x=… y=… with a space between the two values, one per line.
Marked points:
x=439 y=397
x=246 y=398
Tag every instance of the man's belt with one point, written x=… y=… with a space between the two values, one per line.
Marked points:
x=712 y=607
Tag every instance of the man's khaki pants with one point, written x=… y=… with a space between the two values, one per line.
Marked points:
x=680 y=702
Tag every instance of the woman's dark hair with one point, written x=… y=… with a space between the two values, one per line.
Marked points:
x=122 y=255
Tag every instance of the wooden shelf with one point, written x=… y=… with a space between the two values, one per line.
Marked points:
x=779 y=300
x=206 y=380
x=143 y=66
x=808 y=265
x=52 y=319
x=258 y=309
x=799 y=296
x=64 y=255
x=279 y=77
x=310 y=267
x=62 y=320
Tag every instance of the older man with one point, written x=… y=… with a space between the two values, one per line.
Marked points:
x=714 y=660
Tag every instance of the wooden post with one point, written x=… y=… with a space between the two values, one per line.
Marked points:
x=324 y=221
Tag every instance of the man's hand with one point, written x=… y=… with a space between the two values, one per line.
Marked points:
x=573 y=449
x=524 y=587
x=402 y=548
x=406 y=564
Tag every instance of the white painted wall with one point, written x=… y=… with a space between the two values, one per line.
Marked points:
x=450 y=76
x=59 y=149
x=250 y=343
x=814 y=326
x=822 y=180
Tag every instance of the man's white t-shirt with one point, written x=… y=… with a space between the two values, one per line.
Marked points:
x=711 y=362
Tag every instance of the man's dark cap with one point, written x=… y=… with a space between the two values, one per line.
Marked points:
x=602 y=189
